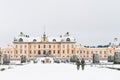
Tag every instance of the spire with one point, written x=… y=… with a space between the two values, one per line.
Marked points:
x=44 y=34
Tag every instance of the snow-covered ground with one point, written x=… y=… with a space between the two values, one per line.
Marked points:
x=59 y=72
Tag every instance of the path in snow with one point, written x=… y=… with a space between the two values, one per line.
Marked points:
x=58 y=72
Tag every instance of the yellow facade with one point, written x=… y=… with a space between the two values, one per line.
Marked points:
x=9 y=50
x=64 y=46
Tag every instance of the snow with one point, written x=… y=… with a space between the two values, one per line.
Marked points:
x=60 y=71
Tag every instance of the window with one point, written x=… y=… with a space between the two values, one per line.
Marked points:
x=20 y=51
x=25 y=46
x=25 y=51
x=34 y=40
x=104 y=52
x=16 y=46
x=68 y=51
x=44 y=46
x=16 y=51
x=87 y=52
x=44 y=52
x=63 y=51
x=30 y=51
x=110 y=51
x=30 y=46
x=49 y=51
x=39 y=52
x=20 y=40
x=34 y=52
x=72 y=46
x=58 y=51
x=54 y=46
x=54 y=51
x=83 y=51
x=72 y=51
x=20 y=46
x=80 y=51
x=67 y=46
x=54 y=40
x=68 y=39
x=49 y=46
x=58 y=46
x=34 y=46
x=105 y=56
x=38 y=46
x=92 y=52
x=63 y=46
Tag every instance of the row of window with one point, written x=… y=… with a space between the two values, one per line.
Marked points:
x=33 y=56
x=45 y=46
x=8 y=51
x=69 y=56
x=39 y=52
x=92 y=52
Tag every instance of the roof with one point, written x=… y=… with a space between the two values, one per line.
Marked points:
x=39 y=39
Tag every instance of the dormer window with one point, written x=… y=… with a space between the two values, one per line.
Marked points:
x=20 y=40
x=34 y=40
x=68 y=39
x=54 y=40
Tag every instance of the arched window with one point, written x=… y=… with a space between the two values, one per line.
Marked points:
x=34 y=40
x=68 y=39
x=20 y=40
x=54 y=40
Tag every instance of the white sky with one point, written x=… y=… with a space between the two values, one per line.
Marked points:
x=91 y=22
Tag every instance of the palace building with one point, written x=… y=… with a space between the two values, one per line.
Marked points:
x=63 y=46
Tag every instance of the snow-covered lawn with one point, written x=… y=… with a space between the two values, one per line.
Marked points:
x=58 y=72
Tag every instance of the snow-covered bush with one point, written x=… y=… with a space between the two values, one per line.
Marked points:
x=96 y=58
x=110 y=58
x=73 y=58
x=56 y=60
x=6 y=58
x=23 y=58
x=117 y=58
x=0 y=59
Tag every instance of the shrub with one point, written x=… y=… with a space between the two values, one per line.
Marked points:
x=23 y=58
x=73 y=58
x=96 y=58
x=6 y=58
x=110 y=58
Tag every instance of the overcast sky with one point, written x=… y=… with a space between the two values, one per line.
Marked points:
x=91 y=22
